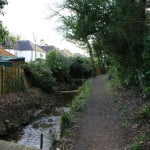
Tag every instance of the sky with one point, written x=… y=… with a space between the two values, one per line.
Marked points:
x=28 y=17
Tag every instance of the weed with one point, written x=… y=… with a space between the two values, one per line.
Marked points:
x=80 y=101
x=78 y=104
x=124 y=124
x=135 y=146
x=123 y=112
x=141 y=141
x=66 y=120
x=145 y=111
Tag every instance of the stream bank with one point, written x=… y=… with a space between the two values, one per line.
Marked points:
x=18 y=109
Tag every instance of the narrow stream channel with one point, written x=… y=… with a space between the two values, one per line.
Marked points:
x=48 y=125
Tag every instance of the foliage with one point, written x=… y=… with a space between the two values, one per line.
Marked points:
x=80 y=67
x=117 y=33
x=59 y=65
x=2 y=4
x=145 y=112
x=3 y=31
x=80 y=101
x=76 y=27
x=135 y=146
x=66 y=120
x=141 y=142
x=42 y=75
x=78 y=104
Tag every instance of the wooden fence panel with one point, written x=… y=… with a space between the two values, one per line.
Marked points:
x=11 y=79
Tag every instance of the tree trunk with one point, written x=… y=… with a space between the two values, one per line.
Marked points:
x=91 y=58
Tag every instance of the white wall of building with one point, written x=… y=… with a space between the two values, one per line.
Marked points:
x=28 y=54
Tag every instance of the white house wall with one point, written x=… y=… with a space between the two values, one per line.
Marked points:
x=28 y=54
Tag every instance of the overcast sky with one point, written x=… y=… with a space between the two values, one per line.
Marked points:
x=25 y=17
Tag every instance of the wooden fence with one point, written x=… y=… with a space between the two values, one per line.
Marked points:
x=11 y=79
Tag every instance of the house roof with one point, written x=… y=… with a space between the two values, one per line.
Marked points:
x=48 y=48
x=5 y=53
x=24 y=45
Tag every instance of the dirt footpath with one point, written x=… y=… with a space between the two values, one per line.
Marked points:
x=99 y=125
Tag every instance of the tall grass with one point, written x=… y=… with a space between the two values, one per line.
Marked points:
x=78 y=104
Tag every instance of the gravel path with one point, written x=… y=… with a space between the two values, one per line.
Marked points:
x=99 y=125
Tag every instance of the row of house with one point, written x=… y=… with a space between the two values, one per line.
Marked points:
x=31 y=51
x=27 y=49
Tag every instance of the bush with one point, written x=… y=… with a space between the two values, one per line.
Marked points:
x=41 y=75
x=80 y=67
x=59 y=65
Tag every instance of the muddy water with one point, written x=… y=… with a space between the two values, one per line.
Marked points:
x=49 y=125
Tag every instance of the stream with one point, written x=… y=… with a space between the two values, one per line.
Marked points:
x=49 y=125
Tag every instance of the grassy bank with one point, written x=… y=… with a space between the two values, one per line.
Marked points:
x=68 y=119
x=78 y=104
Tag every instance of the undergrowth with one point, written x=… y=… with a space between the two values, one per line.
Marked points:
x=78 y=104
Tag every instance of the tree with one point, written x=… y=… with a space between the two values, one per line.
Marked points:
x=2 y=4
x=3 y=31
x=76 y=27
x=59 y=65
x=112 y=30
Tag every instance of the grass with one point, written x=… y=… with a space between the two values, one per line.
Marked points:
x=108 y=83
x=138 y=144
x=79 y=103
x=123 y=124
x=135 y=146
x=145 y=111
x=123 y=112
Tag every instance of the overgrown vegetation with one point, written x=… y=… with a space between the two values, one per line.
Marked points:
x=80 y=67
x=141 y=143
x=40 y=75
x=116 y=33
x=55 y=69
x=78 y=104
x=80 y=101
x=59 y=65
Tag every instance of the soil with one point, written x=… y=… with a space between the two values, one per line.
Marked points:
x=18 y=109
x=137 y=124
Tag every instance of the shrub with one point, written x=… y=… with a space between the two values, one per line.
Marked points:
x=59 y=65
x=80 y=67
x=41 y=75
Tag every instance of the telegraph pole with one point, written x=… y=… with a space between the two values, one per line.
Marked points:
x=34 y=37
